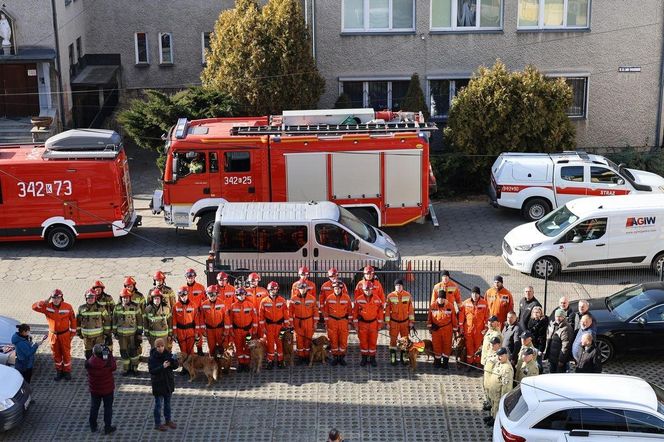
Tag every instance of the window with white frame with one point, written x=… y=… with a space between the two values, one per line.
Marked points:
x=205 y=45
x=141 y=47
x=165 y=48
x=379 y=94
x=378 y=15
x=554 y=14
x=464 y=15
x=579 y=86
x=441 y=93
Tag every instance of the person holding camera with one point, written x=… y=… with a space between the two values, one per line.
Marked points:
x=25 y=351
x=100 y=367
x=161 y=365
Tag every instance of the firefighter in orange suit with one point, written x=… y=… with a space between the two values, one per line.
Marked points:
x=473 y=316
x=499 y=300
x=450 y=288
x=328 y=287
x=62 y=328
x=225 y=291
x=272 y=316
x=399 y=317
x=303 y=272
x=442 y=322
x=243 y=320
x=370 y=276
x=196 y=297
x=255 y=292
x=304 y=313
x=368 y=318
x=186 y=326
x=338 y=314
x=214 y=322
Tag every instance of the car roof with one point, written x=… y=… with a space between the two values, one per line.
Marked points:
x=265 y=213
x=619 y=203
x=655 y=288
x=587 y=388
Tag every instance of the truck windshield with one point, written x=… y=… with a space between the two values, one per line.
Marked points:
x=557 y=221
x=352 y=223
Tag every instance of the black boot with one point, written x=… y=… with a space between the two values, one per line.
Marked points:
x=436 y=363
x=58 y=375
x=372 y=361
x=66 y=376
x=393 y=357
x=334 y=360
x=486 y=406
x=403 y=358
x=270 y=365
x=363 y=362
x=446 y=363
x=342 y=360
x=280 y=364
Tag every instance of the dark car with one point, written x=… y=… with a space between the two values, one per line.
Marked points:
x=630 y=321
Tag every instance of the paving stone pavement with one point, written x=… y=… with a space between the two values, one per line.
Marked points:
x=298 y=404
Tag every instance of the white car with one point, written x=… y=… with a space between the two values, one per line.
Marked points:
x=581 y=407
x=7 y=350
x=15 y=398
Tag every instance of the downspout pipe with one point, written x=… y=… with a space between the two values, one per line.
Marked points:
x=61 y=100
x=660 y=99
x=313 y=29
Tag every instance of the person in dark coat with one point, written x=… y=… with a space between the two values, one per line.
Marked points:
x=559 y=338
x=584 y=310
x=590 y=360
x=526 y=305
x=25 y=351
x=538 y=325
x=512 y=337
x=161 y=365
x=100 y=367
x=563 y=303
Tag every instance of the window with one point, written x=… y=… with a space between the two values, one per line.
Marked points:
x=572 y=173
x=331 y=235
x=237 y=162
x=655 y=314
x=379 y=95
x=378 y=15
x=441 y=93
x=603 y=175
x=246 y=239
x=553 y=14
x=466 y=14
x=589 y=230
x=638 y=422
x=72 y=60
x=214 y=162
x=579 y=87
x=592 y=419
x=141 y=47
x=79 y=48
x=237 y=239
x=190 y=163
x=514 y=404
x=165 y=48
x=205 y=45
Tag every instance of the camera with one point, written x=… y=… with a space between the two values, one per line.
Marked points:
x=105 y=352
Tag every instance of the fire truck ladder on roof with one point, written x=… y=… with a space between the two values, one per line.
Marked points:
x=334 y=129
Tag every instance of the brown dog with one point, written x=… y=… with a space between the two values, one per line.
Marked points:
x=257 y=347
x=319 y=350
x=425 y=346
x=459 y=348
x=226 y=359
x=287 y=341
x=194 y=363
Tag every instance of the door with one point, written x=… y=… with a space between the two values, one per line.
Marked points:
x=333 y=243
x=649 y=335
x=19 y=95
x=238 y=175
x=569 y=183
x=193 y=184
x=605 y=182
x=585 y=244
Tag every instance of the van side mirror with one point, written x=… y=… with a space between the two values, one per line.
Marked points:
x=620 y=181
x=577 y=239
x=642 y=321
x=355 y=244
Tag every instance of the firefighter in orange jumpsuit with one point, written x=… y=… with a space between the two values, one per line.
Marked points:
x=159 y=281
x=243 y=320
x=196 y=297
x=327 y=288
x=473 y=316
x=62 y=328
x=186 y=326
x=368 y=318
x=450 y=288
x=442 y=322
x=273 y=315
x=499 y=300
x=338 y=314
x=214 y=322
x=399 y=317
x=304 y=313
x=303 y=272
x=225 y=291
x=370 y=276
x=255 y=292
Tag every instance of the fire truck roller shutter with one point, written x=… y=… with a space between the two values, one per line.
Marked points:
x=403 y=178
x=306 y=177
x=356 y=171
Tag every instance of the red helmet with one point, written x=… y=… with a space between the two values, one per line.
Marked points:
x=156 y=292
x=190 y=273
x=159 y=276
x=254 y=277
x=98 y=284
x=222 y=276
x=304 y=270
x=125 y=293
x=129 y=280
x=332 y=272
x=367 y=285
x=90 y=294
x=368 y=269
x=57 y=293
x=183 y=290
x=273 y=286
x=212 y=289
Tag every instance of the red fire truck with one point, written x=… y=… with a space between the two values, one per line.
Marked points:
x=76 y=185
x=376 y=164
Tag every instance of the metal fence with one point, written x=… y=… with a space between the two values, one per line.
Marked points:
x=420 y=275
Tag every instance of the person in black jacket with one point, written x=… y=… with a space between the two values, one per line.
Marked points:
x=512 y=337
x=558 y=349
x=526 y=305
x=590 y=360
x=538 y=325
x=161 y=365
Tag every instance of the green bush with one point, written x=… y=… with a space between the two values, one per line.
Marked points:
x=639 y=159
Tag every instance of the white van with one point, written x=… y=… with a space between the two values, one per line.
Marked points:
x=304 y=232
x=591 y=233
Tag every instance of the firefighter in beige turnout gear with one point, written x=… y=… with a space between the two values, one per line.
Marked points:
x=106 y=301
x=128 y=330
x=157 y=320
x=499 y=383
x=93 y=324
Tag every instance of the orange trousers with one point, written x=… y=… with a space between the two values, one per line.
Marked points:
x=215 y=340
x=397 y=329
x=304 y=332
x=367 y=332
x=241 y=349
x=473 y=343
x=274 y=344
x=337 y=333
x=61 y=349
x=186 y=339
x=442 y=341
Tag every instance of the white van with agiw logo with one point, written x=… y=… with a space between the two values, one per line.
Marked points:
x=590 y=233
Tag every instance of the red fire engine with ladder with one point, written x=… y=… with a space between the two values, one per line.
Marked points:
x=375 y=164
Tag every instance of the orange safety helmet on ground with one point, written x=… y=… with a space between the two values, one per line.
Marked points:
x=159 y=276
x=98 y=284
x=129 y=281
x=273 y=285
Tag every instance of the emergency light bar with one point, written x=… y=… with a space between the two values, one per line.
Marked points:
x=181 y=128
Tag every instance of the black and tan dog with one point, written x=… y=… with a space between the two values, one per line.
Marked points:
x=319 y=350
x=414 y=349
x=459 y=348
x=226 y=360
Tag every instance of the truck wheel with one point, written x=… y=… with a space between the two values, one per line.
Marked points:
x=60 y=238
x=658 y=264
x=605 y=348
x=543 y=264
x=535 y=208
x=205 y=226
x=366 y=215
